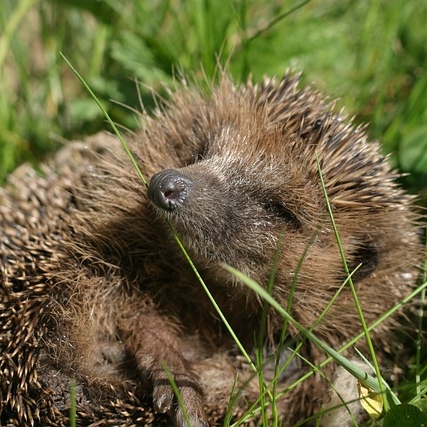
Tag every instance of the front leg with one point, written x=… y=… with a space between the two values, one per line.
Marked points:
x=154 y=342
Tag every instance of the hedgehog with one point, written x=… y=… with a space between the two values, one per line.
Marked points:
x=100 y=308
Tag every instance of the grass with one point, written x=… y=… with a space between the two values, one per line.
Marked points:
x=374 y=57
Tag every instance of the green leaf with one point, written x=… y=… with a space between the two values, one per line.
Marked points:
x=405 y=415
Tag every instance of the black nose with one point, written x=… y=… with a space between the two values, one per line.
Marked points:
x=169 y=189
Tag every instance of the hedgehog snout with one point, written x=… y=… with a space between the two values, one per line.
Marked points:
x=169 y=189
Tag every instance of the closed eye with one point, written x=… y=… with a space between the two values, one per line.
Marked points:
x=197 y=157
x=278 y=209
x=201 y=153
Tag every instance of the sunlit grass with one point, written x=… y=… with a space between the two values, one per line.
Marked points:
x=374 y=57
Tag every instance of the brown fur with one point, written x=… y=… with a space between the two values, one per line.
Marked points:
x=94 y=287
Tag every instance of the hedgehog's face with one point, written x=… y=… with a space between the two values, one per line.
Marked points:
x=243 y=200
x=241 y=185
x=232 y=209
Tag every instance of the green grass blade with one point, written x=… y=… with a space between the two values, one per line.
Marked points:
x=107 y=116
x=362 y=376
x=352 y=288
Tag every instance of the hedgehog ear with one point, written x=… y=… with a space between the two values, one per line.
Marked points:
x=365 y=258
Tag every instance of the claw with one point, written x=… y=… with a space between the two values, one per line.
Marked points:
x=163 y=399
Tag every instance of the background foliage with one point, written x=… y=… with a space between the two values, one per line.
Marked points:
x=373 y=55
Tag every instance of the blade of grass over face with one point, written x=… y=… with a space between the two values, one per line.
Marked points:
x=212 y=299
x=261 y=338
x=352 y=288
x=107 y=116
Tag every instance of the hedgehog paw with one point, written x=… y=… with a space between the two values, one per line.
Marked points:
x=186 y=409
